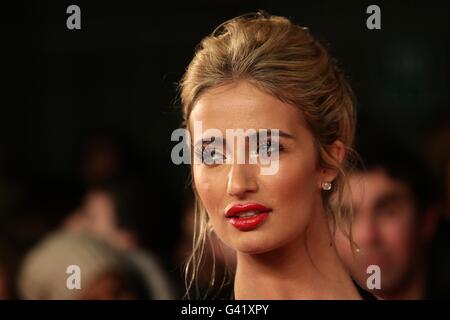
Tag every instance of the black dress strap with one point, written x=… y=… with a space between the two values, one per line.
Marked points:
x=365 y=295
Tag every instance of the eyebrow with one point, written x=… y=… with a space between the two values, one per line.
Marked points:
x=281 y=134
x=286 y=135
x=209 y=140
x=219 y=139
x=388 y=198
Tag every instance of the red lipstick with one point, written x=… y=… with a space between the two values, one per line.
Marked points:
x=247 y=216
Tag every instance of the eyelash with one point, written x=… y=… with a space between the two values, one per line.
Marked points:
x=199 y=151
x=280 y=146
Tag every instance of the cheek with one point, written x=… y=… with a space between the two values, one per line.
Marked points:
x=294 y=184
x=292 y=192
x=210 y=186
x=398 y=236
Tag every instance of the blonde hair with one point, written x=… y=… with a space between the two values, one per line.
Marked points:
x=283 y=59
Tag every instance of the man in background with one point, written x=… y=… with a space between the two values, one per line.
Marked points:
x=395 y=219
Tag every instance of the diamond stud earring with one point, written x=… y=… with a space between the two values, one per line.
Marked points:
x=326 y=185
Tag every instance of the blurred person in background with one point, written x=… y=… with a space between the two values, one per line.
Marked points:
x=104 y=212
x=437 y=152
x=112 y=164
x=395 y=203
x=30 y=210
x=117 y=208
x=117 y=213
x=105 y=273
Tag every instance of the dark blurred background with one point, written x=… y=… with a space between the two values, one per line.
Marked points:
x=82 y=109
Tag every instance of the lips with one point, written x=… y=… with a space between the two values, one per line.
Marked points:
x=247 y=216
x=243 y=209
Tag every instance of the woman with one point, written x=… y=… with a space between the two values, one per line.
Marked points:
x=263 y=72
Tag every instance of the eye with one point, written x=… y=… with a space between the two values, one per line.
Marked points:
x=388 y=210
x=210 y=155
x=267 y=148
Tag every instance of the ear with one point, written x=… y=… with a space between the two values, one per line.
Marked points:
x=336 y=153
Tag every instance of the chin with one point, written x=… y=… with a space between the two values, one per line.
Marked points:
x=253 y=249
x=254 y=242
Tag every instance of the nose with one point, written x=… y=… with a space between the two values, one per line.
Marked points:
x=241 y=180
x=364 y=232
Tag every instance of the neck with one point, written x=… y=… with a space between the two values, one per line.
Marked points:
x=305 y=268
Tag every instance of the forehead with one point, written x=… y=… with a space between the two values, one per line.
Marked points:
x=242 y=105
x=368 y=187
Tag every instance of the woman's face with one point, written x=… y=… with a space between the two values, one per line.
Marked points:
x=291 y=194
